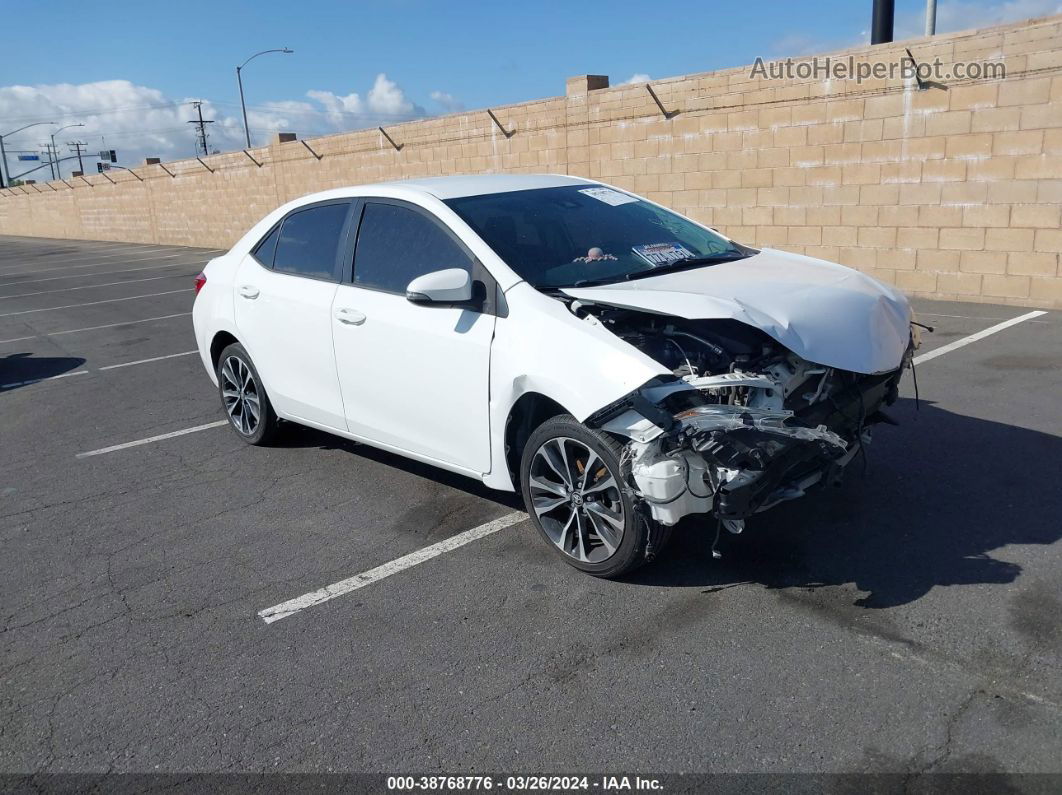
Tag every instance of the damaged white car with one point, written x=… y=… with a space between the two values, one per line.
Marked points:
x=620 y=364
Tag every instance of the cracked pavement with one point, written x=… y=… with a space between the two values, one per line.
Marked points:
x=909 y=621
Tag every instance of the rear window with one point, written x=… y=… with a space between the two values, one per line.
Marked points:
x=309 y=240
x=267 y=247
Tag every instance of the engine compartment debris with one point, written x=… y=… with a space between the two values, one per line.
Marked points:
x=741 y=425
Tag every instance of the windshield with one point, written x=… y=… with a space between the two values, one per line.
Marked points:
x=578 y=235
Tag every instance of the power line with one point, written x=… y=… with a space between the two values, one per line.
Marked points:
x=363 y=114
x=65 y=112
x=103 y=111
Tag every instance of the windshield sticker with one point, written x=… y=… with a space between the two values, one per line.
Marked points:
x=657 y=254
x=609 y=196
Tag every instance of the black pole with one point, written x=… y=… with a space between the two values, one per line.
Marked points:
x=881 y=24
x=202 y=129
x=246 y=129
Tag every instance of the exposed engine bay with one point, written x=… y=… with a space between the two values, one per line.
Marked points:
x=742 y=425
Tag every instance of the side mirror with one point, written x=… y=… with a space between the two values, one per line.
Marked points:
x=450 y=286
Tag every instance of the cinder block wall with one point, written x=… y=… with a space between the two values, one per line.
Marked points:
x=950 y=192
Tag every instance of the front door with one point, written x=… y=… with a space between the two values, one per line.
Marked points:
x=414 y=377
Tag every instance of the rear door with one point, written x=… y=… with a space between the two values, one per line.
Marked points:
x=414 y=376
x=284 y=294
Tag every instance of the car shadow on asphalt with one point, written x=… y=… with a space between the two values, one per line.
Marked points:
x=22 y=369
x=940 y=494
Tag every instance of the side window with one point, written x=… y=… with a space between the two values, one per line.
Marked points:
x=267 y=247
x=396 y=245
x=309 y=239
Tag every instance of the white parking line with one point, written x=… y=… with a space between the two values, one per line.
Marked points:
x=321 y=595
x=146 y=361
x=94 y=303
x=150 y=439
x=980 y=335
x=79 y=251
x=88 y=265
x=39 y=380
x=292 y=606
x=96 y=253
x=90 y=286
x=100 y=369
x=107 y=273
x=970 y=317
x=328 y=592
x=91 y=254
x=94 y=328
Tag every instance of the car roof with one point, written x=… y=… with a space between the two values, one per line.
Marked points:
x=479 y=184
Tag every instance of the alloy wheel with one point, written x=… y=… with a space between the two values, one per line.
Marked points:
x=577 y=500
x=239 y=390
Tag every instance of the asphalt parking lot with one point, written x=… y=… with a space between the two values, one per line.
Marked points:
x=908 y=621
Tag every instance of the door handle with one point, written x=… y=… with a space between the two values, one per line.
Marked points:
x=249 y=291
x=352 y=317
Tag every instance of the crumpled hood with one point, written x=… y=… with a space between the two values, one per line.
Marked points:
x=823 y=312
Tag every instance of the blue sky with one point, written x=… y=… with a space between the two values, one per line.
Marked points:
x=436 y=56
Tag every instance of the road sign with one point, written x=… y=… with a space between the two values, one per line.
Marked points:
x=108 y=155
x=29 y=157
x=101 y=167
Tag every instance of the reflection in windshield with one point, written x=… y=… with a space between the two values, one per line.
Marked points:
x=559 y=237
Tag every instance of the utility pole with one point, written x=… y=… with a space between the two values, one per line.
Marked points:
x=881 y=21
x=931 y=17
x=201 y=124
x=77 y=148
x=51 y=157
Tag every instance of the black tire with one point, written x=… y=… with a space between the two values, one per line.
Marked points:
x=262 y=431
x=565 y=436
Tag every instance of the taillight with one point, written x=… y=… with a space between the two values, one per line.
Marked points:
x=200 y=281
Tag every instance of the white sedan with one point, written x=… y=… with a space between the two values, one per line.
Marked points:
x=620 y=364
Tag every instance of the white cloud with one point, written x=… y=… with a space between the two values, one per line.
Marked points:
x=639 y=77
x=448 y=102
x=387 y=99
x=140 y=121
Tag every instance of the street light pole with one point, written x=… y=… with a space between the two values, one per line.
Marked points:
x=3 y=154
x=55 y=149
x=246 y=130
x=239 y=81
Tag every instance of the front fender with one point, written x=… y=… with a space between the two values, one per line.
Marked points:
x=542 y=347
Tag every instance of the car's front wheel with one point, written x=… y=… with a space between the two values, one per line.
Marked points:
x=574 y=492
x=245 y=400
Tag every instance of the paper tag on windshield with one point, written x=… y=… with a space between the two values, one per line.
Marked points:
x=609 y=196
x=657 y=254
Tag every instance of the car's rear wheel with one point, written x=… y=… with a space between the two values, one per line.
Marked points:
x=244 y=398
x=576 y=497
